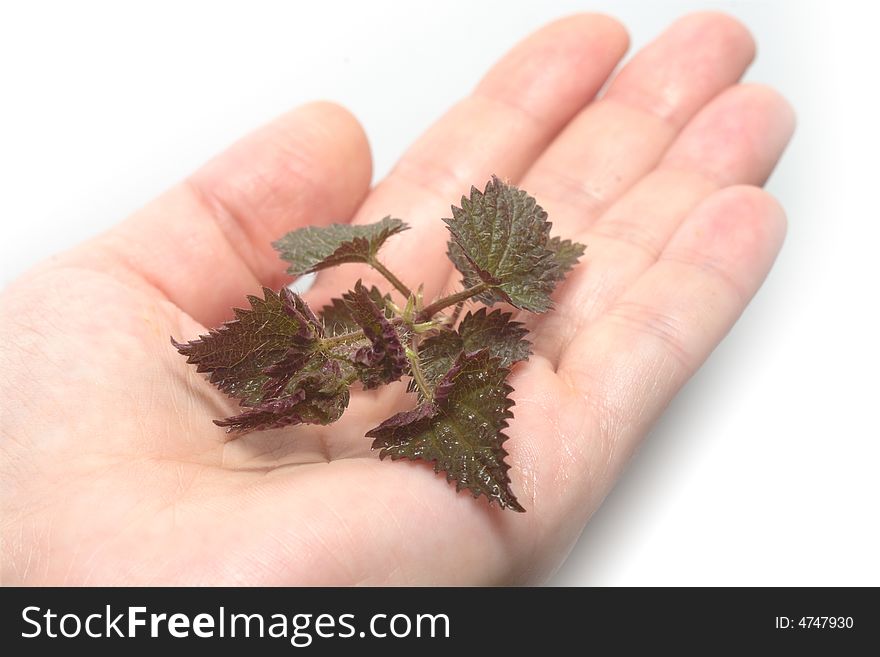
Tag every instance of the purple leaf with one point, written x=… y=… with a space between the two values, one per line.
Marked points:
x=461 y=430
x=384 y=359
x=263 y=343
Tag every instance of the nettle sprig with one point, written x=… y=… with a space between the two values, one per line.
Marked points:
x=287 y=366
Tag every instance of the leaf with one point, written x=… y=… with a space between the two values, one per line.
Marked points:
x=437 y=353
x=280 y=374
x=501 y=238
x=269 y=358
x=384 y=359
x=461 y=430
x=481 y=330
x=567 y=254
x=316 y=394
x=275 y=333
x=337 y=318
x=317 y=247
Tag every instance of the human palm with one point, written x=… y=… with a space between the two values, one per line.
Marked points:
x=112 y=471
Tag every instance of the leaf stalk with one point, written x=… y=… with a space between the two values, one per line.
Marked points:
x=417 y=374
x=444 y=302
x=390 y=277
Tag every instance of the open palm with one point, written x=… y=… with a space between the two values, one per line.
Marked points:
x=111 y=469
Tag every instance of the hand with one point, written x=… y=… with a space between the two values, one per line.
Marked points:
x=112 y=472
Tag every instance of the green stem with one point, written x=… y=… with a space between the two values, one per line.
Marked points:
x=344 y=338
x=353 y=336
x=434 y=308
x=417 y=374
x=396 y=282
x=424 y=327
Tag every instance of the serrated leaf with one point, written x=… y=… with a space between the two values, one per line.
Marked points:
x=567 y=253
x=384 y=359
x=501 y=238
x=315 y=394
x=337 y=318
x=480 y=330
x=278 y=328
x=437 y=353
x=461 y=430
x=317 y=247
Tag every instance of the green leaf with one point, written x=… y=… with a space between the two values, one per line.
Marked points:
x=501 y=239
x=315 y=394
x=461 y=430
x=481 y=330
x=278 y=329
x=318 y=247
x=337 y=317
x=566 y=253
x=384 y=359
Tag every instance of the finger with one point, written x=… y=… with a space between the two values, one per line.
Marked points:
x=207 y=242
x=616 y=140
x=627 y=365
x=736 y=139
x=515 y=111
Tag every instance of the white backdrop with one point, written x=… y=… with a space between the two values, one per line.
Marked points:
x=764 y=469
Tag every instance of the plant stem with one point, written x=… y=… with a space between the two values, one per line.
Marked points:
x=353 y=336
x=343 y=338
x=432 y=309
x=453 y=318
x=424 y=327
x=396 y=282
x=417 y=374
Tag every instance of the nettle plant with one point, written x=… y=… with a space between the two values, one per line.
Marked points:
x=287 y=366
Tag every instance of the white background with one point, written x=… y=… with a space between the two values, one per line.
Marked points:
x=764 y=470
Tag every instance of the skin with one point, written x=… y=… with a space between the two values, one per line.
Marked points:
x=111 y=470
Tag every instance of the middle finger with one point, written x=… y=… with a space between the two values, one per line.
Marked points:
x=515 y=111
